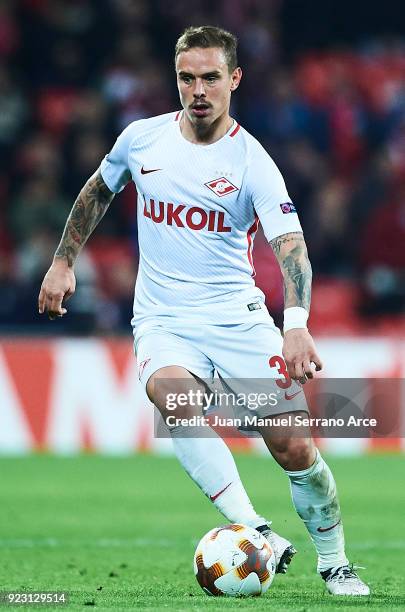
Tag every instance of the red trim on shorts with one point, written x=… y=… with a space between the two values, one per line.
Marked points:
x=177 y=115
x=250 y=235
x=235 y=131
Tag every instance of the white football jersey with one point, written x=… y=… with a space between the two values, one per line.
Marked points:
x=199 y=207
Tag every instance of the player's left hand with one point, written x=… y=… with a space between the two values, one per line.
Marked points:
x=299 y=353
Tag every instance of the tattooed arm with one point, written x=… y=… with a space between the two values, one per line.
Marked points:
x=299 y=348
x=59 y=282
x=291 y=252
x=88 y=209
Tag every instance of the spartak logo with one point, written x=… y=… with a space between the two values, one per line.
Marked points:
x=221 y=186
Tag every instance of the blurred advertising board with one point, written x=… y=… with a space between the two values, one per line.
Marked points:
x=71 y=395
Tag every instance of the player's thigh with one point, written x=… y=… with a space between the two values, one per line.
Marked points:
x=247 y=350
x=248 y=359
x=169 y=363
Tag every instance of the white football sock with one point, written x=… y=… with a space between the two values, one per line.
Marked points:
x=315 y=499
x=210 y=464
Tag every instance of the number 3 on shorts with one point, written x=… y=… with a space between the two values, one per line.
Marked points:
x=278 y=362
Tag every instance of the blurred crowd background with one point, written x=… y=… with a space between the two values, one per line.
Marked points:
x=323 y=90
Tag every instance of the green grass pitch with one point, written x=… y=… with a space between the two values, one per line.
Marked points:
x=120 y=533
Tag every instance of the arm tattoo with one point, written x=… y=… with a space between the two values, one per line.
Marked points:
x=89 y=207
x=292 y=255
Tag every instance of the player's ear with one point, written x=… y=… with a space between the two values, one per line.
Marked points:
x=235 y=78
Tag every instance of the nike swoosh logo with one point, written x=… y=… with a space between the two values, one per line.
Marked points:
x=290 y=397
x=143 y=171
x=322 y=529
x=214 y=497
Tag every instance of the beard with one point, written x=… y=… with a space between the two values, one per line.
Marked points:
x=204 y=127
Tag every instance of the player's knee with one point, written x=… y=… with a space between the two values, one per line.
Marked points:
x=163 y=382
x=295 y=454
x=158 y=388
x=174 y=392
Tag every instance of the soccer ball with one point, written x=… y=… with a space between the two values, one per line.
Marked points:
x=234 y=560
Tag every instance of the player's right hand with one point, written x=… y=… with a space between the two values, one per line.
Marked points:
x=59 y=285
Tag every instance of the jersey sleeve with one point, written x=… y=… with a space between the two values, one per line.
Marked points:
x=114 y=167
x=269 y=196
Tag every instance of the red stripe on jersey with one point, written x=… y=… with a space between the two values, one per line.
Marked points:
x=250 y=235
x=177 y=115
x=235 y=131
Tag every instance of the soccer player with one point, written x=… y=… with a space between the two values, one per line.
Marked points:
x=203 y=185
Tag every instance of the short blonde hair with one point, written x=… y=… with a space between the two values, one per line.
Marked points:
x=207 y=37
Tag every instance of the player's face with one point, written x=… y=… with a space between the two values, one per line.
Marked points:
x=205 y=84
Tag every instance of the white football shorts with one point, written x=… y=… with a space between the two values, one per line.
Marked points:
x=245 y=356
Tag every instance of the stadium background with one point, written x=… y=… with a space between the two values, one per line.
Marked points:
x=323 y=90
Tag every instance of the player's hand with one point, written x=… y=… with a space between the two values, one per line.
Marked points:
x=59 y=285
x=299 y=353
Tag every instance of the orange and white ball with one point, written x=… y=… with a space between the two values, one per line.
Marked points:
x=234 y=560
